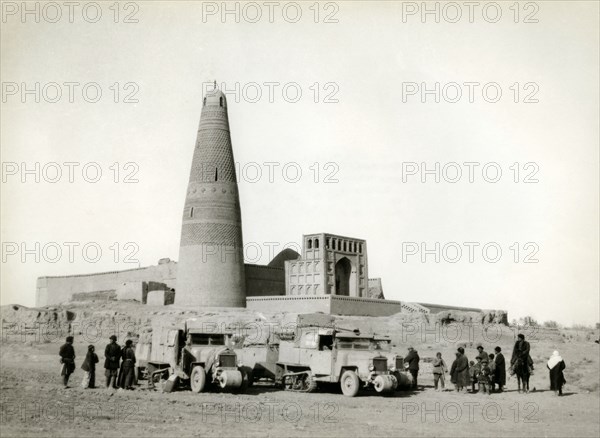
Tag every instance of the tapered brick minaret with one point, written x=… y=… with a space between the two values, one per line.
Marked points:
x=210 y=271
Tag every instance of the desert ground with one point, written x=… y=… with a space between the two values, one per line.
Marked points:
x=34 y=402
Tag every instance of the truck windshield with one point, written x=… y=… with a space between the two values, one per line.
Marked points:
x=382 y=345
x=353 y=344
x=207 y=339
x=362 y=344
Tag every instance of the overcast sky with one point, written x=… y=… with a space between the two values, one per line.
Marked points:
x=360 y=118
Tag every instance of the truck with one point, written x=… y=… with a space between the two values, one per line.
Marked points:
x=259 y=360
x=203 y=358
x=352 y=359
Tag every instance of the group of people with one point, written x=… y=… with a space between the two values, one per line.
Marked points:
x=488 y=371
x=119 y=364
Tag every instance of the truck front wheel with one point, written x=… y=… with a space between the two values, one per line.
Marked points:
x=198 y=379
x=350 y=383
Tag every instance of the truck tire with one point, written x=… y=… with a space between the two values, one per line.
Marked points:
x=198 y=379
x=230 y=379
x=350 y=383
x=245 y=383
x=385 y=383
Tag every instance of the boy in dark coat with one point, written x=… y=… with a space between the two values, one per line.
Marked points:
x=67 y=358
x=483 y=378
x=439 y=371
x=112 y=353
x=89 y=366
x=474 y=370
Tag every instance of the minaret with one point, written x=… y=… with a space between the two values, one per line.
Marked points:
x=210 y=271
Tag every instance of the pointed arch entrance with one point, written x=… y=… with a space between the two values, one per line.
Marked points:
x=343 y=271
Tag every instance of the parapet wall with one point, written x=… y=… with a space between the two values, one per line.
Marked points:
x=328 y=304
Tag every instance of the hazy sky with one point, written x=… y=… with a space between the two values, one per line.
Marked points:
x=362 y=124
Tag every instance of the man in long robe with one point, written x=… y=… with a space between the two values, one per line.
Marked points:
x=499 y=369
x=556 y=365
x=89 y=366
x=460 y=370
x=412 y=359
x=67 y=358
x=127 y=374
x=112 y=353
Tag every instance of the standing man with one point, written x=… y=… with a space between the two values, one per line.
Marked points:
x=460 y=370
x=67 y=358
x=112 y=353
x=127 y=375
x=521 y=351
x=485 y=358
x=89 y=366
x=412 y=359
x=499 y=369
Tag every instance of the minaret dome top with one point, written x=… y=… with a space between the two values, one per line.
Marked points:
x=215 y=97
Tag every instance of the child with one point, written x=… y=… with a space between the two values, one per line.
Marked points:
x=484 y=379
x=439 y=371
x=89 y=366
x=473 y=372
x=492 y=366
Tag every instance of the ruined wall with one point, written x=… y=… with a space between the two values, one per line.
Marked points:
x=160 y=297
x=103 y=295
x=260 y=281
x=436 y=308
x=55 y=290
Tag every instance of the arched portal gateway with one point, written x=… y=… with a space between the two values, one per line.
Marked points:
x=343 y=269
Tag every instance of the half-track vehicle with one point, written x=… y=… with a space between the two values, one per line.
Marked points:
x=354 y=360
x=199 y=356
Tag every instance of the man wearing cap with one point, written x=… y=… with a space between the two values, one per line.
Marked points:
x=499 y=369
x=485 y=358
x=412 y=359
x=112 y=353
x=460 y=370
x=127 y=374
x=67 y=359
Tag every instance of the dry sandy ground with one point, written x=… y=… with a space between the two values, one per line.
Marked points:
x=35 y=404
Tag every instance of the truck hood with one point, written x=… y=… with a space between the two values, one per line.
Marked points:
x=207 y=354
